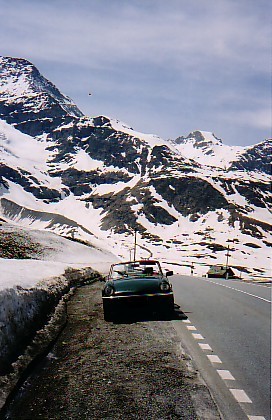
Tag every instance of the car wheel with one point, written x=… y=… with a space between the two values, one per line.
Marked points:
x=108 y=315
x=168 y=309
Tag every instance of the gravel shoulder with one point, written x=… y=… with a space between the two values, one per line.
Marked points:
x=130 y=369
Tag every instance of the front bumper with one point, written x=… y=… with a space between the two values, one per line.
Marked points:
x=157 y=300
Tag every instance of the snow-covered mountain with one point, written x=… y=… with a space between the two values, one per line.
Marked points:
x=206 y=149
x=97 y=179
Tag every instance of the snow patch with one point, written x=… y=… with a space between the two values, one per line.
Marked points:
x=151 y=139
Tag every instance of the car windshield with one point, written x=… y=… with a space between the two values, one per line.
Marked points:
x=141 y=269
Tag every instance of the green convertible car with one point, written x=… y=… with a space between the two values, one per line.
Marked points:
x=137 y=284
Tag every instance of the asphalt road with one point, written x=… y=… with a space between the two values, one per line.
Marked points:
x=233 y=318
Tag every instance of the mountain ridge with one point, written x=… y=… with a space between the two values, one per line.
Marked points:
x=110 y=180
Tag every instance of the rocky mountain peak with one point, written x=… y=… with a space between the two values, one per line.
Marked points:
x=26 y=95
x=200 y=139
x=207 y=149
x=20 y=78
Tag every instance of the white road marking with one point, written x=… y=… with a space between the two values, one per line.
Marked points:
x=240 y=395
x=198 y=336
x=191 y=327
x=265 y=284
x=213 y=358
x=238 y=290
x=225 y=374
x=205 y=346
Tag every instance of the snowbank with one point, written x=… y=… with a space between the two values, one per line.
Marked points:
x=28 y=273
x=24 y=310
x=30 y=289
x=34 y=288
x=30 y=318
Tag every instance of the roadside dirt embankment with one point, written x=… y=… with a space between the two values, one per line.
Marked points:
x=130 y=369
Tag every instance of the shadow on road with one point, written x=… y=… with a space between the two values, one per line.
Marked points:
x=133 y=316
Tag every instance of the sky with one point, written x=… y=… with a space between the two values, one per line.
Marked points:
x=163 y=67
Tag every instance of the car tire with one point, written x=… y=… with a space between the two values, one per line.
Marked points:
x=168 y=309
x=108 y=315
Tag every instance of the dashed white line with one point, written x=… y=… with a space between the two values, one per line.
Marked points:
x=238 y=290
x=240 y=395
x=197 y=336
x=205 y=346
x=225 y=374
x=213 y=358
x=264 y=285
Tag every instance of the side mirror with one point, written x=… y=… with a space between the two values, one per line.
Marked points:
x=169 y=273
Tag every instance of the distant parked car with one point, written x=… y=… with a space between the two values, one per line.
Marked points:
x=136 y=285
x=220 y=271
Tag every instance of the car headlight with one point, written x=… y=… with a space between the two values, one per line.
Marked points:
x=165 y=287
x=109 y=290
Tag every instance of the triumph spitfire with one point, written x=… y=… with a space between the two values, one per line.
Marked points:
x=137 y=284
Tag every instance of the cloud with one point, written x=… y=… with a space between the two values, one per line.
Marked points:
x=260 y=119
x=101 y=36
x=205 y=60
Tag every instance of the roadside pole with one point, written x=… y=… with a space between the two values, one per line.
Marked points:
x=227 y=263
x=135 y=244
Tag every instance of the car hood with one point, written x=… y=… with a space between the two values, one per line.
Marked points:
x=132 y=285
